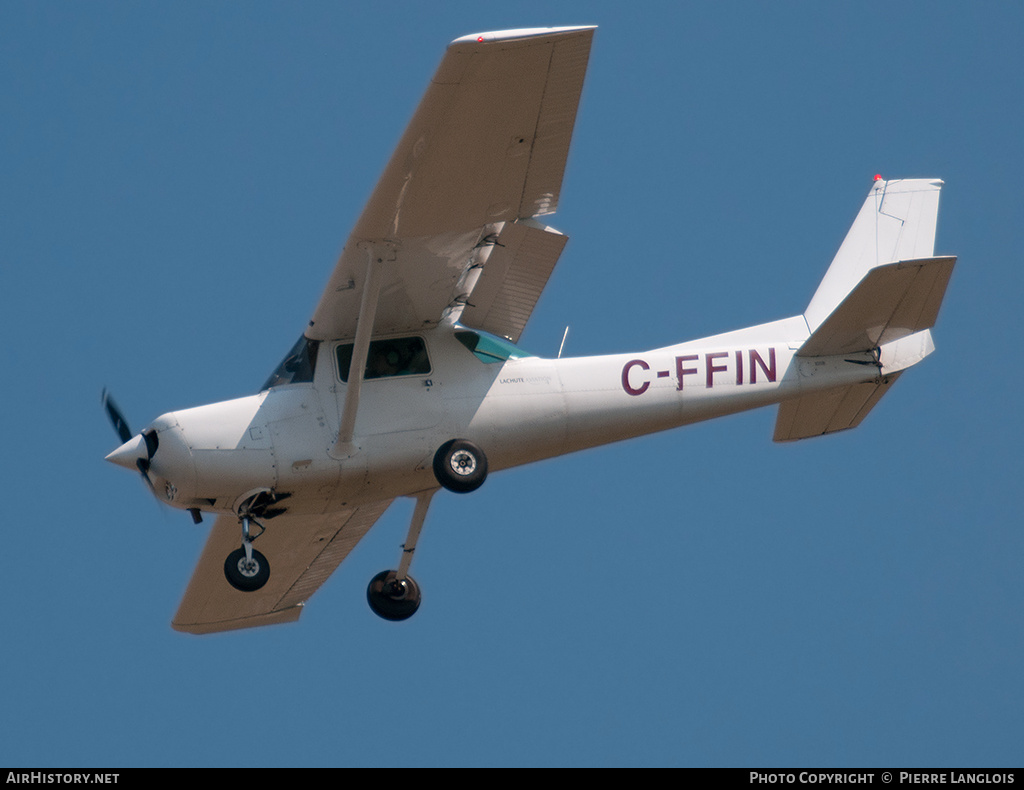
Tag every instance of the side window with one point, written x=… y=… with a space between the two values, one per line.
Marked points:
x=400 y=356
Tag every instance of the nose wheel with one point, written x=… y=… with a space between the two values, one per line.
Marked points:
x=246 y=571
x=391 y=598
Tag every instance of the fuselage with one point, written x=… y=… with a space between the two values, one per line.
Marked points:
x=519 y=409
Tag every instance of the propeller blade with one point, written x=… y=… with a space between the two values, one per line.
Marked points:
x=116 y=417
x=143 y=467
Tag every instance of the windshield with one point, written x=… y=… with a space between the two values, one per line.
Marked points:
x=298 y=366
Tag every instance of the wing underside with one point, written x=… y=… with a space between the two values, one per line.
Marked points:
x=303 y=551
x=486 y=147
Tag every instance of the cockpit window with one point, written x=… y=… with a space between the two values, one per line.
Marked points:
x=297 y=367
x=488 y=348
x=400 y=356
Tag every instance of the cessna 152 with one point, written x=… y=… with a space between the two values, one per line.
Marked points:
x=407 y=378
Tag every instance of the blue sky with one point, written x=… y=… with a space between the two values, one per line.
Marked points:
x=177 y=182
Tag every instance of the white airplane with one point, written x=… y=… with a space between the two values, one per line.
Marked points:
x=407 y=378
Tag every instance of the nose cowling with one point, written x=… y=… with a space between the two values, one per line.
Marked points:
x=172 y=467
x=163 y=457
x=203 y=458
x=230 y=446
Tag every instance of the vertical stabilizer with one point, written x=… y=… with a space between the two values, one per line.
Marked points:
x=896 y=223
x=880 y=297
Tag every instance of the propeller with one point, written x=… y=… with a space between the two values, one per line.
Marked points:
x=136 y=450
x=116 y=417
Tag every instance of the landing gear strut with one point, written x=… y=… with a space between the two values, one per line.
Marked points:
x=394 y=595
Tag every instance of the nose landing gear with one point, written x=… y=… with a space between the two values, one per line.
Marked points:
x=247 y=569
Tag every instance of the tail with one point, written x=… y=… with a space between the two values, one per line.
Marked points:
x=880 y=295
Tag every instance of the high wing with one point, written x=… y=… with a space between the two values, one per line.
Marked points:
x=484 y=154
x=306 y=550
x=452 y=217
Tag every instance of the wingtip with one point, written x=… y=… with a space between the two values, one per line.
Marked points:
x=279 y=617
x=489 y=37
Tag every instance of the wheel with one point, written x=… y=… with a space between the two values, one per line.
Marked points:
x=243 y=576
x=391 y=599
x=460 y=466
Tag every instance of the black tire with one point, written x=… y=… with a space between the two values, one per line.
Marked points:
x=246 y=579
x=460 y=466
x=393 y=600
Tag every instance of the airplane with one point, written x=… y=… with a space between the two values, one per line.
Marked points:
x=408 y=378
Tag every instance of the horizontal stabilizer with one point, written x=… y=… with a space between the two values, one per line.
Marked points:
x=891 y=301
x=839 y=408
x=818 y=413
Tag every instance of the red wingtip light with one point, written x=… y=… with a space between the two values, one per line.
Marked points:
x=480 y=39
x=878 y=176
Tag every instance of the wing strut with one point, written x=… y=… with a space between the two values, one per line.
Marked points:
x=377 y=254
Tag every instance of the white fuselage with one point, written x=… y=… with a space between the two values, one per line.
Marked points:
x=214 y=457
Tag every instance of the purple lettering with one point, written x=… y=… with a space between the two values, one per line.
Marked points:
x=739 y=367
x=625 y=377
x=769 y=369
x=681 y=371
x=712 y=368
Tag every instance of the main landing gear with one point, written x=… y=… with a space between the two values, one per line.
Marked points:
x=394 y=595
x=460 y=466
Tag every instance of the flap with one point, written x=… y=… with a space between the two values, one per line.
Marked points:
x=513 y=279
